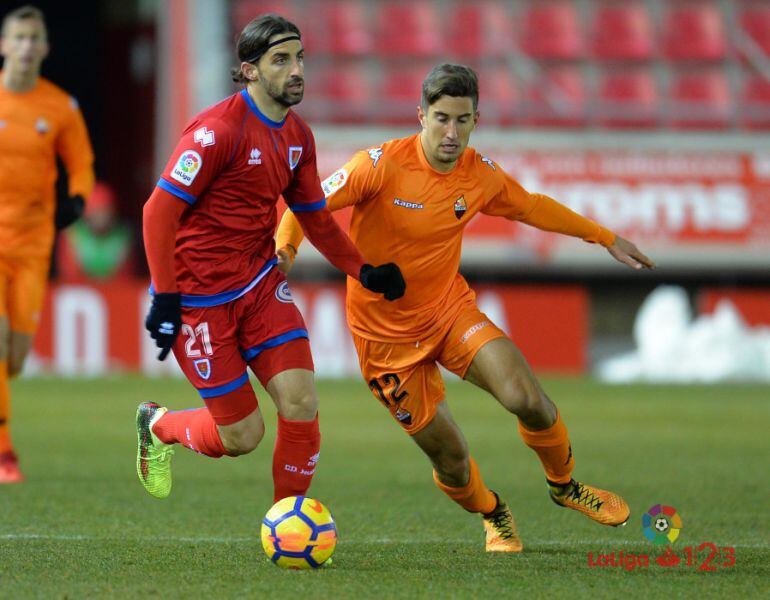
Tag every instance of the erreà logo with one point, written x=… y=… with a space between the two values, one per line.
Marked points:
x=460 y=207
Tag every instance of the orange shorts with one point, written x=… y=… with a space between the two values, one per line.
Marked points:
x=22 y=290
x=406 y=378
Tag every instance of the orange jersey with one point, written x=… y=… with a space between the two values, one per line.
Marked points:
x=406 y=212
x=35 y=127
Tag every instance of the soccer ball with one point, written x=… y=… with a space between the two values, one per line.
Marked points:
x=661 y=524
x=299 y=533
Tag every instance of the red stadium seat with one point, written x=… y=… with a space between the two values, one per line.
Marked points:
x=339 y=27
x=755 y=103
x=499 y=96
x=408 y=29
x=694 y=32
x=623 y=32
x=700 y=99
x=627 y=98
x=399 y=93
x=551 y=30
x=479 y=30
x=557 y=97
x=755 y=21
x=340 y=94
x=244 y=11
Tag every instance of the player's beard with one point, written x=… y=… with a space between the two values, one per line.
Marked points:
x=283 y=96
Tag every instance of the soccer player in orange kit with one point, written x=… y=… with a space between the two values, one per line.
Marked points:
x=412 y=199
x=38 y=121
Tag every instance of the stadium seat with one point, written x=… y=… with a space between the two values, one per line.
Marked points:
x=339 y=27
x=408 y=29
x=700 y=99
x=499 y=96
x=340 y=93
x=557 y=97
x=622 y=32
x=755 y=103
x=694 y=32
x=755 y=21
x=479 y=30
x=244 y=11
x=627 y=98
x=399 y=93
x=551 y=30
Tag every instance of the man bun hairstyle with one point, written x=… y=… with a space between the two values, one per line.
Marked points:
x=254 y=40
x=450 y=80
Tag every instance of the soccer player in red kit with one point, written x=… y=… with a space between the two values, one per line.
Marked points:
x=208 y=233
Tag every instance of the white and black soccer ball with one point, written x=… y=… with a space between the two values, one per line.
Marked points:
x=661 y=524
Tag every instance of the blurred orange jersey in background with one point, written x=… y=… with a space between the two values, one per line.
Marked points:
x=35 y=127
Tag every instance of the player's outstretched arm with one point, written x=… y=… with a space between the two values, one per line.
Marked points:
x=627 y=253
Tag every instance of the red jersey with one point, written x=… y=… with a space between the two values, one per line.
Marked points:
x=231 y=165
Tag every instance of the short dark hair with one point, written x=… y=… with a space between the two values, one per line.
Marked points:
x=255 y=37
x=23 y=12
x=450 y=80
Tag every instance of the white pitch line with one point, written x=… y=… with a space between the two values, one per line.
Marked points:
x=385 y=541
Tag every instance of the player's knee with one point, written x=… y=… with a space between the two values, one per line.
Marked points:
x=300 y=407
x=244 y=440
x=521 y=396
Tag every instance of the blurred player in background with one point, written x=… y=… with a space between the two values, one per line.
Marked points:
x=412 y=199
x=208 y=232
x=38 y=122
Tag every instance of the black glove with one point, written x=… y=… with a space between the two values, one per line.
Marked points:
x=69 y=210
x=385 y=279
x=164 y=321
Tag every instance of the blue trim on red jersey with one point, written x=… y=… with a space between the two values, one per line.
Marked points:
x=225 y=388
x=309 y=207
x=294 y=334
x=195 y=301
x=260 y=115
x=166 y=185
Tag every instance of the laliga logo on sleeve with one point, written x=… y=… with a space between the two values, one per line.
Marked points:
x=334 y=182
x=187 y=167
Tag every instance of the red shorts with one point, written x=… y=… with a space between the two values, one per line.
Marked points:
x=262 y=329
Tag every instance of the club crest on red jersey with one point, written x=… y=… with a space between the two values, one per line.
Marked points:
x=295 y=152
x=203 y=367
x=460 y=207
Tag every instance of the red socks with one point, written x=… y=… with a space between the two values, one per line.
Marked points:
x=295 y=456
x=194 y=428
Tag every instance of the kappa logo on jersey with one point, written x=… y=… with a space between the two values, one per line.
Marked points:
x=254 y=157
x=283 y=293
x=294 y=154
x=484 y=159
x=405 y=204
x=203 y=367
x=204 y=137
x=375 y=154
x=334 y=182
x=187 y=167
x=460 y=207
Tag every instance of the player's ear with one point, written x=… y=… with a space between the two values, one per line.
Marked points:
x=250 y=71
x=422 y=117
x=476 y=116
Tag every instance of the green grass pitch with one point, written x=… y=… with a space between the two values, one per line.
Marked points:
x=82 y=525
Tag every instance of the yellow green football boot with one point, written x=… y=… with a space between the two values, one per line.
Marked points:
x=153 y=457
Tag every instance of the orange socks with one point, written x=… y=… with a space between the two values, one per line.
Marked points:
x=473 y=497
x=5 y=409
x=553 y=449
